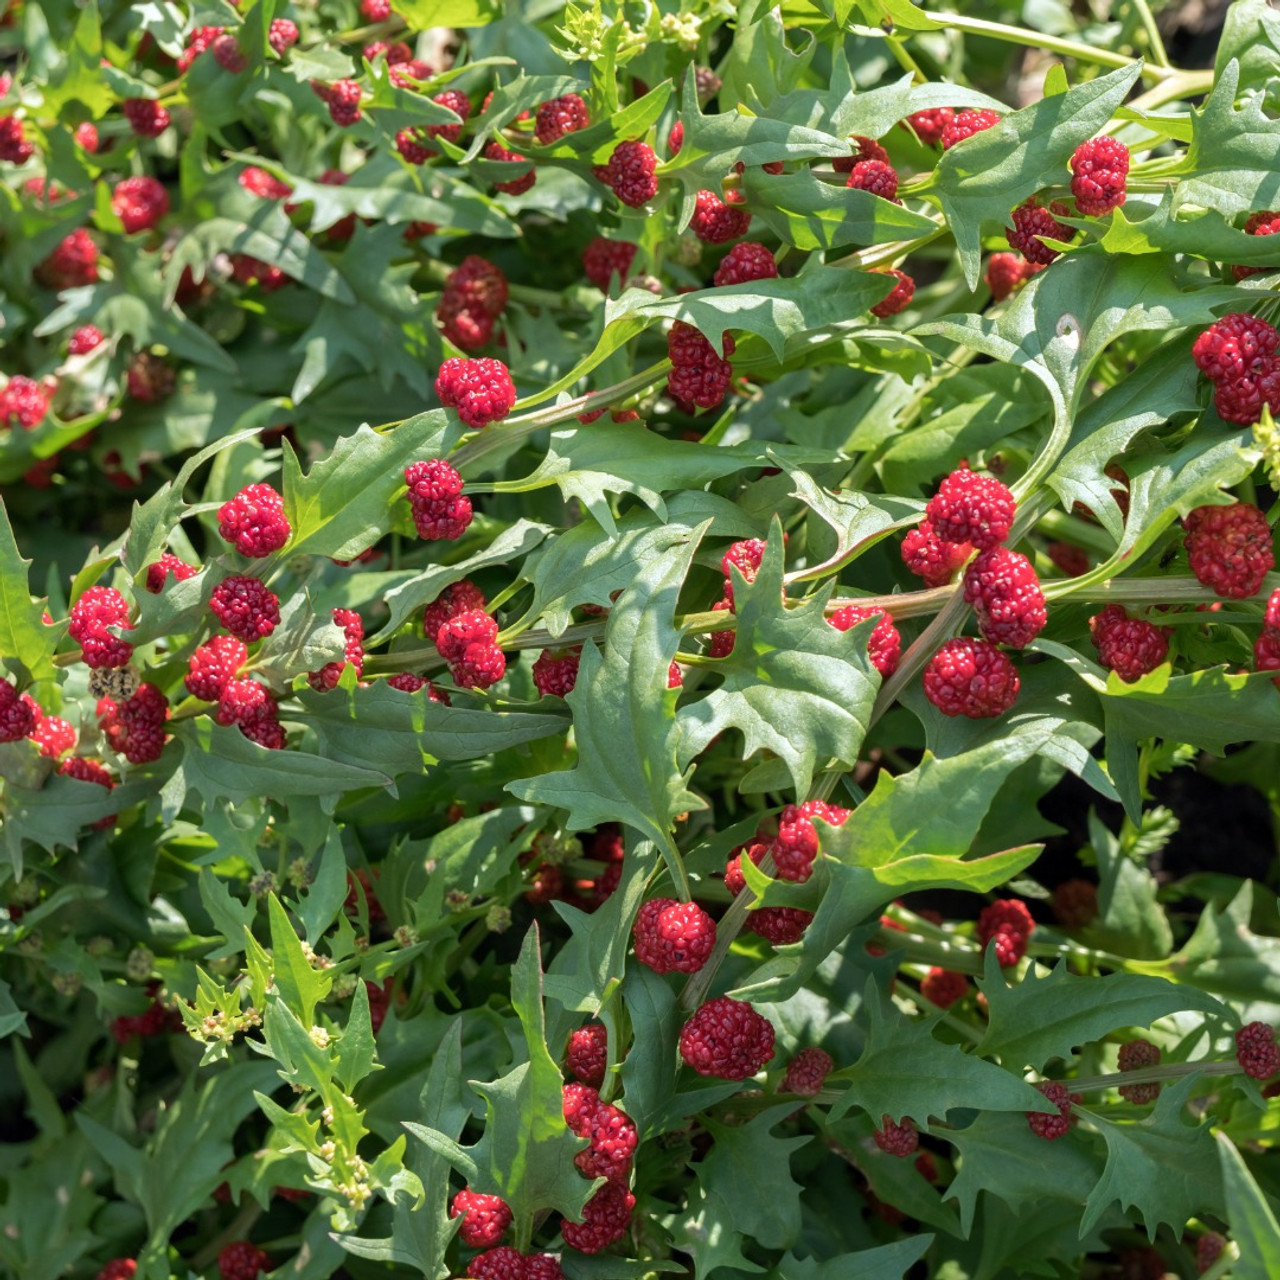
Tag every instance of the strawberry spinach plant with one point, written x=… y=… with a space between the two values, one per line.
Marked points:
x=610 y=618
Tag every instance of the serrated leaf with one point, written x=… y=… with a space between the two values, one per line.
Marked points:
x=1253 y=1224
x=26 y=644
x=886 y=1262
x=301 y=986
x=230 y=916
x=356 y=1052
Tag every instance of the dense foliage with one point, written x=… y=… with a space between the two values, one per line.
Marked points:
x=599 y=608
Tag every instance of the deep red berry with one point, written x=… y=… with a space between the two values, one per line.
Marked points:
x=440 y=509
x=1008 y=925
x=213 y=665
x=411 y=145
x=118 y=1269
x=1005 y=592
x=558 y=117
x=1128 y=646
x=1256 y=1050
x=675 y=677
x=1266 y=222
x=899 y=297
x=265 y=729
x=875 y=176
x=884 y=644
x=73 y=262
x=1075 y=903
x=1099 y=168
x=462 y=630
x=797 y=843
x=474 y=295
x=674 y=937
x=779 y=926
x=630 y=173
x=746 y=557
x=542 y=1266
x=1234 y=346
x=1134 y=1055
x=14 y=145
x=807 y=1072
x=972 y=508
x=1229 y=548
x=159 y=572
x=897 y=1139
x=502 y=1263
x=744 y=263
x=17 y=719
x=283 y=35
x=485 y=1219
x=139 y=203
x=242 y=1261
x=85 y=339
x=964 y=124
x=612 y=1133
x=83 y=770
x=1052 y=1127
x=53 y=735
x=342 y=98
x=135 y=727
x=198 y=41
x=588 y=1053
x=698 y=376
x=971 y=678
x=602 y=259
x=96 y=610
x=720 y=643
x=580 y=1102
x=516 y=186
x=228 y=54
x=1008 y=272
x=1031 y=220
x=480 y=389
x=23 y=402
x=246 y=607
x=715 y=222
x=146 y=117
x=254 y=521
x=930 y=557
x=1208 y=1250
x=728 y=1039
x=929 y=126
x=604 y=1219
x=943 y=987
x=555 y=672
x=453 y=600
x=863 y=149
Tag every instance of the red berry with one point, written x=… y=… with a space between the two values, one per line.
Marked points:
x=159 y=571
x=675 y=677
x=588 y=1053
x=1031 y=220
x=14 y=146
x=728 y=1039
x=1128 y=646
x=1256 y=1050
x=342 y=98
x=630 y=173
x=930 y=557
x=480 y=389
x=139 y=203
x=720 y=643
x=863 y=149
x=228 y=54
x=674 y=937
x=779 y=926
x=542 y=1266
x=23 y=402
x=73 y=263
x=440 y=509
x=929 y=126
x=375 y=10
x=875 y=176
x=884 y=644
x=1229 y=548
x=213 y=665
x=246 y=607
x=604 y=1219
x=1003 y=588
x=517 y=186
x=1208 y=1250
x=1052 y=1127
x=242 y=702
x=1007 y=272
x=602 y=259
x=86 y=771
x=146 y=117
x=897 y=1139
x=1134 y=1055
x=797 y=844
x=675 y=139
x=453 y=600
x=899 y=298
x=1008 y=924
x=149 y=378
x=745 y=556
x=972 y=508
x=17 y=719
x=96 y=610
x=283 y=35
x=555 y=672
x=715 y=222
x=807 y=1072
x=53 y=735
x=462 y=630
x=242 y=1261
x=85 y=339
x=474 y=295
x=254 y=521
x=135 y=727
x=352 y=652
x=612 y=1133
x=198 y=41
x=558 y=117
x=485 y=1219
x=744 y=263
x=1234 y=346
x=1099 y=168
x=943 y=987
x=698 y=376
x=502 y=1263
x=1266 y=222
x=971 y=678
x=964 y=124
x=118 y=1269
x=580 y=1103
x=259 y=182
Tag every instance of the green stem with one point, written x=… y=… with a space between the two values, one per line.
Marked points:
x=1155 y=1075
x=1154 y=39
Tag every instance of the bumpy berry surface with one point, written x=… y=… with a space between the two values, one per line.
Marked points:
x=474 y=296
x=1230 y=548
x=462 y=630
x=1257 y=1051
x=485 y=1219
x=542 y=1266
x=135 y=727
x=964 y=124
x=73 y=262
x=1051 y=1127
x=587 y=1054
x=604 y=1219
x=779 y=926
x=87 y=771
x=559 y=116
x=118 y=1269
x=1128 y=646
x=343 y=100
x=439 y=508
x=460 y=597
x=884 y=645
x=241 y=1260
x=17 y=719
x=1208 y=1250
x=612 y=1135
x=139 y=203
x=85 y=339
x=715 y=222
x=630 y=173
x=746 y=557
x=97 y=609
x=242 y=702
x=930 y=126
x=1266 y=222
x=1099 y=168
x=230 y=57
x=517 y=186
x=1006 y=925
x=283 y=35
x=23 y=402
x=502 y=1263
x=807 y=1072
x=15 y=147
x=876 y=176
x=1134 y=1056
x=971 y=678
x=259 y=182
x=1032 y=220
x=146 y=117
x=213 y=665
x=254 y=521
x=744 y=263
x=728 y=1039
x=1005 y=592
x=604 y=258
x=932 y=558
x=944 y=987
x=973 y=508
x=246 y=607
x=863 y=149
x=480 y=390
x=698 y=376
x=1008 y=272
x=53 y=735
x=797 y=843
x=1234 y=346
x=899 y=297
x=897 y=1139
x=673 y=937
x=554 y=674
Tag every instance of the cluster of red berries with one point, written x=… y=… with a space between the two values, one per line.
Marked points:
x=254 y=521
x=139 y=203
x=631 y=173
x=715 y=222
x=559 y=116
x=587 y=1054
x=342 y=97
x=1046 y=1124
x=474 y=296
x=24 y=402
x=728 y=1039
x=241 y=1260
x=480 y=390
x=1238 y=355
x=673 y=937
x=603 y=259
x=440 y=508
x=506 y=1263
x=1131 y=647
x=464 y=635
x=1257 y=1051
x=699 y=377
x=1230 y=548
x=556 y=672
x=135 y=726
x=1007 y=925
x=612 y=1140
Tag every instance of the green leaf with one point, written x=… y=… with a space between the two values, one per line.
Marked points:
x=26 y=644
x=1253 y=1224
x=12 y=1019
x=301 y=986
x=356 y=1052
x=230 y=916
x=1049 y=1017
x=887 y=1262
x=793 y=685
x=425 y=14
x=980 y=181
x=1251 y=34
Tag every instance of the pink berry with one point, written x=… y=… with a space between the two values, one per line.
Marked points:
x=246 y=607
x=1008 y=272
x=17 y=719
x=118 y=1269
x=588 y=1053
x=728 y=1039
x=929 y=126
x=459 y=598
x=1234 y=346
x=146 y=117
x=899 y=298
x=480 y=389
x=876 y=176
x=53 y=735
x=932 y=558
x=631 y=173
x=135 y=727
x=797 y=843
x=1208 y=1250
x=517 y=186
x=1128 y=646
x=139 y=203
x=85 y=339
x=72 y=263
x=897 y=1139
x=283 y=35
x=1008 y=925
x=699 y=376
x=23 y=402
x=213 y=666
x=440 y=509
x=500 y=1263
x=964 y=124
x=674 y=937
x=1031 y=221
x=14 y=145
